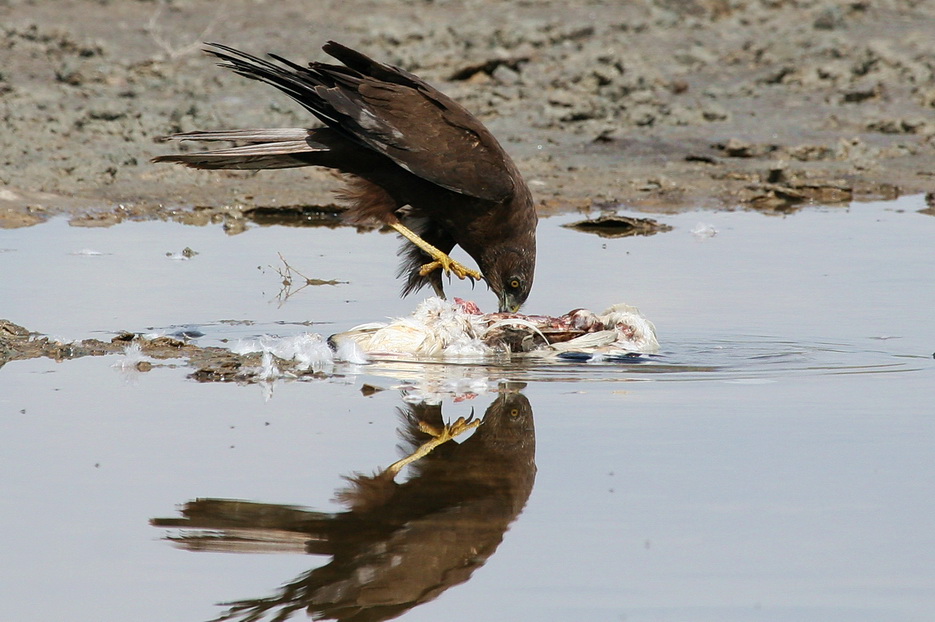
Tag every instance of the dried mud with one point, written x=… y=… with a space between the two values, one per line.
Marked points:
x=654 y=105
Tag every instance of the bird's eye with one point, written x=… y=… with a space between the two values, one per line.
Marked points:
x=514 y=412
x=514 y=283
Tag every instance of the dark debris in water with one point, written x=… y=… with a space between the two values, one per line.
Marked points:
x=930 y=202
x=622 y=357
x=614 y=226
x=783 y=196
x=324 y=215
x=368 y=389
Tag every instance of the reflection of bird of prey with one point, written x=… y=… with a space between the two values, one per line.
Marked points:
x=397 y=545
x=405 y=145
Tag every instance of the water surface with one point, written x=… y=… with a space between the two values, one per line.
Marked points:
x=774 y=462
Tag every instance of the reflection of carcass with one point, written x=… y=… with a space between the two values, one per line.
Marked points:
x=397 y=545
x=438 y=327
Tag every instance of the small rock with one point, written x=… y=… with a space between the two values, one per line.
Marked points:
x=830 y=19
x=505 y=75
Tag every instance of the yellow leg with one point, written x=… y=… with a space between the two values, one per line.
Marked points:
x=441 y=260
x=440 y=437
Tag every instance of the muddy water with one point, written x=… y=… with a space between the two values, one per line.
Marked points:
x=774 y=462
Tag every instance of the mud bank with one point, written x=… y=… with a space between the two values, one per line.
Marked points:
x=653 y=105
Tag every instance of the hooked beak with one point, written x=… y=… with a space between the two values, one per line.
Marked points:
x=508 y=303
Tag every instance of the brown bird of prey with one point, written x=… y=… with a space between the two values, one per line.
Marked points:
x=415 y=160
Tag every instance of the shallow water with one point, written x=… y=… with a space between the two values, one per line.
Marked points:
x=774 y=462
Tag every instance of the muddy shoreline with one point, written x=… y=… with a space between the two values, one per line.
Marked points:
x=655 y=106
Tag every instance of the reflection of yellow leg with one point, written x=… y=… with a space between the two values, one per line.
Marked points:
x=440 y=437
x=441 y=260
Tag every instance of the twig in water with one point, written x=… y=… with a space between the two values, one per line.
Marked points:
x=287 y=273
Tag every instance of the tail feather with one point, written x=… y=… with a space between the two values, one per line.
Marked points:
x=256 y=135
x=265 y=149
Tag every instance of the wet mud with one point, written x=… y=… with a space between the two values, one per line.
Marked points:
x=209 y=364
x=654 y=105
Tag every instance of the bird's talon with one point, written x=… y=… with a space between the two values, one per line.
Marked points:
x=429 y=268
x=444 y=433
x=430 y=429
x=440 y=435
x=462 y=425
x=450 y=266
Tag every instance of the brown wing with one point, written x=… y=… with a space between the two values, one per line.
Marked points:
x=392 y=112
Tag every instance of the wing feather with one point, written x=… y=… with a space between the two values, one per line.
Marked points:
x=391 y=112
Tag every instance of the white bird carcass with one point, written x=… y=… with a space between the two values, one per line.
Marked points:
x=458 y=329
